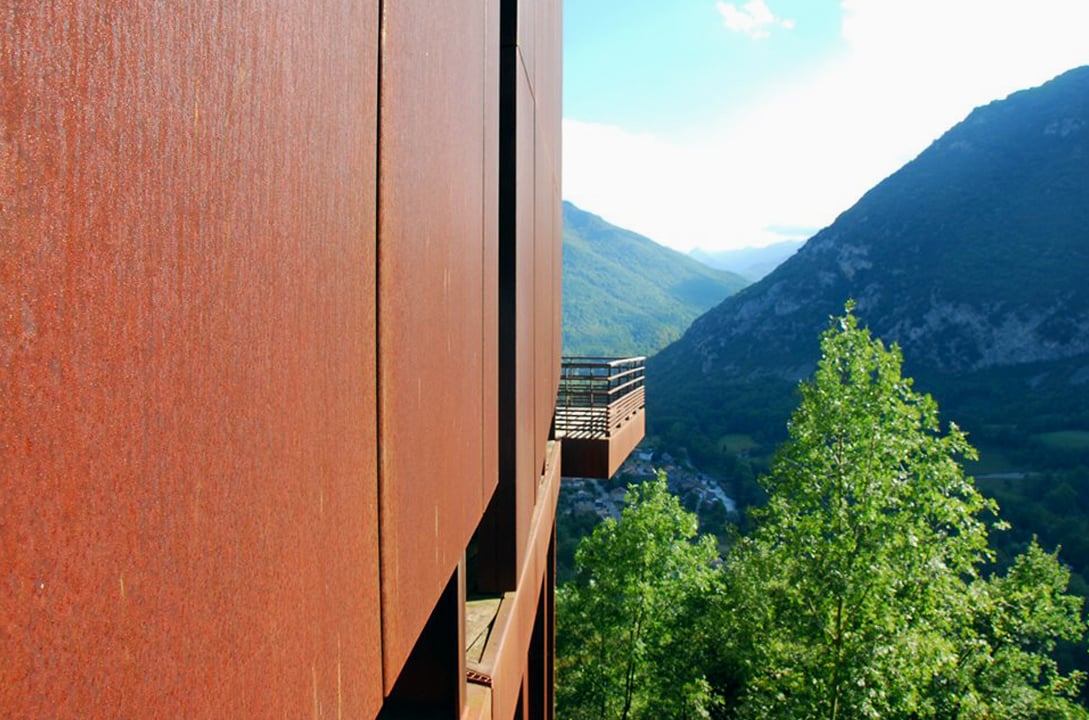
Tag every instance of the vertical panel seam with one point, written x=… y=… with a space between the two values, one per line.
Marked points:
x=378 y=414
x=484 y=266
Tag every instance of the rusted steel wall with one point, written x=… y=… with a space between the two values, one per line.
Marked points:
x=250 y=343
x=530 y=253
x=550 y=104
x=547 y=143
x=507 y=653
x=187 y=359
x=438 y=297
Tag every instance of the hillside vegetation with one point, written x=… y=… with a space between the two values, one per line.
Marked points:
x=624 y=294
x=749 y=262
x=973 y=258
x=863 y=591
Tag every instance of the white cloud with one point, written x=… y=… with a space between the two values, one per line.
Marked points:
x=973 y=49
x=908 y=71
x=684 y=195
x=754 y=18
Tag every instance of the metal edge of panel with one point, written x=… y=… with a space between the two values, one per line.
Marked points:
x=506 y=656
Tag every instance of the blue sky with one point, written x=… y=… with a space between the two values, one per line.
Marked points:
x=704 y=123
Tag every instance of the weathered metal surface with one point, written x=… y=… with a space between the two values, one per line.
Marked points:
x=600 y=413
x=433 y=285
x=203 y=346
x=519 y=17
x=546 y=84
x=550 y=628
x=527 y=469
x=478 y=702
x=529 y=253
x=557 y=298
x=504 y=529
x=187 y=443
x=431 y=684
x=601 y=457
x=490 y=355
x=546 y=251
x=506 y=657
x=548 y=79
x=535 y=671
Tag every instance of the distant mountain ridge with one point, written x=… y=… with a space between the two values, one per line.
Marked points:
x=624 y=294
x=973 y=257
x=752 y=263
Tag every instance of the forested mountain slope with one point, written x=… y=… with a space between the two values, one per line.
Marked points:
x=974 y=257
x=624 y=294
x=749 y=262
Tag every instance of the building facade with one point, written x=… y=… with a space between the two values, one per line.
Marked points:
x=279 y=353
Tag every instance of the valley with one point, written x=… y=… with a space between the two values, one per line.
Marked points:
x=971 y=260
x=623 y=294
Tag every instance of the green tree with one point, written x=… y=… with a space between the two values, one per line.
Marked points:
x=859 y=594
x=632 y=625
x=1004 y=667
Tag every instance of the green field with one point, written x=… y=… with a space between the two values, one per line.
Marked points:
x=1065 y=439
x=736 y=443
x=991 y=461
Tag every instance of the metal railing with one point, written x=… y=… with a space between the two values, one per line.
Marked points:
x=598 y=395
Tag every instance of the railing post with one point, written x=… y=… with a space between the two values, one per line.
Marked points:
x=596 y=394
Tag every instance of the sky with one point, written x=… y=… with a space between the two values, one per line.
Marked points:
x=713 y=124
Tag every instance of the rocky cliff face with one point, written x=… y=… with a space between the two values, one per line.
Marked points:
x=974 y=255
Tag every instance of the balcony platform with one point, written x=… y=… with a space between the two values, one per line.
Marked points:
x=600 y=413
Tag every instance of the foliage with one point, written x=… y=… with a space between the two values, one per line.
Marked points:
x=572 y=526
x=632 y=625
x=1005 y=666
x=859 y=593
x=1057 y=504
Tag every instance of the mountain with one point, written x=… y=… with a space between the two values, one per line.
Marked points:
x=749 y=262
x=974 y=257
x=624 y=294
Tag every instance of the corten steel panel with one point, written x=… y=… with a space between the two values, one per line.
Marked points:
x=550 y=110
x=535 y=667
x=601 y=458
x=432 y=289
x=519 y=17
x=557 y=301
x=508 y=519
x=550 y=628
x=547 y=251
x=543 y=402
x=490 y=353
x=499 y=533
x=548 y=77
x=547 y=84
x=623 y=441
x=507 y=653
x=527 y=471
x=431 y=683
x=478 y=702
x=186 y=360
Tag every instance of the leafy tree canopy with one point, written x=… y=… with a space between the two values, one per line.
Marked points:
x=859 y=595
x=632 y=624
